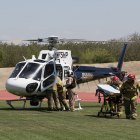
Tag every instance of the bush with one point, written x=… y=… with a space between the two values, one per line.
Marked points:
x=87 y=52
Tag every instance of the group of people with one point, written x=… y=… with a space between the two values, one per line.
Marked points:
x=129 y=89
x=57 y=94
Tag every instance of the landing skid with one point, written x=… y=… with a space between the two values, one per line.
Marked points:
x=9 y=102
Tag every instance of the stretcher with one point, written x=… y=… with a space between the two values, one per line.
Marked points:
x=110 y=100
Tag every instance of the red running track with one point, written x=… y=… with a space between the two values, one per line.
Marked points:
x=85 y=97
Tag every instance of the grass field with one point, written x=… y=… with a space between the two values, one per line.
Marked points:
x=35 y=124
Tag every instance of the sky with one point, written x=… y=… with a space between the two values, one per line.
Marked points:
x=73 y=19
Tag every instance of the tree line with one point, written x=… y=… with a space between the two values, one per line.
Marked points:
x=87 y=52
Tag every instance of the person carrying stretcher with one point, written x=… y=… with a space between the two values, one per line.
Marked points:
x=115 y=102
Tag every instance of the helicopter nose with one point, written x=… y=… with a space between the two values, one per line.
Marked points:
x=19 y=86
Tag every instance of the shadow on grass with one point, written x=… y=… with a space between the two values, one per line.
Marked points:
x=42 y=109
x=91 y=106
x=106 y=117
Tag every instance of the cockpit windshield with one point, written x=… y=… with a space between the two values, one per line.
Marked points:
x=49 y=69
x=29 y=70
x=17 y=69
x=38 y=75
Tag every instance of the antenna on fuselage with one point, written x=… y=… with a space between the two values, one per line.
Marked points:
x=24 y=58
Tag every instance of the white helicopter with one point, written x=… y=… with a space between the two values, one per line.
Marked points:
x=32 y=77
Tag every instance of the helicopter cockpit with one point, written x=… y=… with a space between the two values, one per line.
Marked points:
x=27 y=72
x=31 y=77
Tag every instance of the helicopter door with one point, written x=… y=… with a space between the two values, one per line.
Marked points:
x=59 y=71
x=49 y=72
x=66 y=69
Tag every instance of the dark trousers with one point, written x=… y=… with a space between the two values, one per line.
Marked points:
x=130 y=107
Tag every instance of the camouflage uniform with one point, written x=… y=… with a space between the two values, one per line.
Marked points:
x=61 y=94
x=129 y=91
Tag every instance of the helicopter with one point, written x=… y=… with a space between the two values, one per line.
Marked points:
x=32 y=77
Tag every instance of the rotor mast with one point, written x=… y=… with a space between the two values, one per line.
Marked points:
x=53 y=41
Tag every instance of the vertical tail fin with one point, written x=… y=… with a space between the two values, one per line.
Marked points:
x=120 y=61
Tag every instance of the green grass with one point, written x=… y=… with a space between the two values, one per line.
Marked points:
x=34 y=124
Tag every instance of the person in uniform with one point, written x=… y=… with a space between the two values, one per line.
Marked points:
x=115 y=82
x=129 y=90
x=52 y=97
x=62 y=94
x=70 y=85
x=117 y=100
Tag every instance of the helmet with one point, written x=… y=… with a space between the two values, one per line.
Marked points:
x=131 y=76
x=115 y=78
x=70 y=72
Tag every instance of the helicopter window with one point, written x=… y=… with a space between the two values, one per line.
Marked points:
x=59 y=71
x=49 y=69
x=29 y=70
x=44 y=56
x=66 y=71
x=17 y=69
x=49 y=81
x=38 y=75
x=38 y=60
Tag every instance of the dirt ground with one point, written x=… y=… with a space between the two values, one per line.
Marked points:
x=130 y=67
